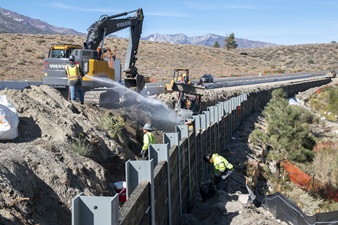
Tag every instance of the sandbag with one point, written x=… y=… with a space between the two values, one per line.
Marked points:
x=9 y=120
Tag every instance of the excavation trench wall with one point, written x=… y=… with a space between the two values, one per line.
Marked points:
x=160 y=190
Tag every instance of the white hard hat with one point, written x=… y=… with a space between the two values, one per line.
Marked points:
x=147 y=126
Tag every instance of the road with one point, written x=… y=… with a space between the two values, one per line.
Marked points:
x=157 y=88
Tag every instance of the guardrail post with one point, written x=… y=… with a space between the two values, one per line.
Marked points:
x=95 y=210
x=137 y=171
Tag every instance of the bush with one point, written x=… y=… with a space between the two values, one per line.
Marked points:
x=112 y=124
x=40 y=41
x=326 y=100
x=80 y=146
x=287 y=132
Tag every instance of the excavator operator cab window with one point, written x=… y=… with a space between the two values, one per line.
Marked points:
x=57 y=53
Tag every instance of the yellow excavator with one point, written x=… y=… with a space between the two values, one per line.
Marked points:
x=90 y=59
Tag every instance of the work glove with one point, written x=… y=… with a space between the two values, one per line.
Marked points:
x=217 y=177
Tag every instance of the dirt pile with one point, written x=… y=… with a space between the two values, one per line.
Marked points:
x=39 y=171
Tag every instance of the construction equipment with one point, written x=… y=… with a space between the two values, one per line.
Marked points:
x=189 y=99
x=180 y=75
x=331 y=73
x=90 y=56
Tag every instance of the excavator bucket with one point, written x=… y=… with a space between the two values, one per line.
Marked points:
x=137 y=84
x=188 y=88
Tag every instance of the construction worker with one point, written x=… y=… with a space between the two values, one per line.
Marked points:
x=148 y=138
x=223 y=169
x=108 y=56
x=74 y=75
x=185 y=79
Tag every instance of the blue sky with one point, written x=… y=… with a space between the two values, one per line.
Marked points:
x=285 y=22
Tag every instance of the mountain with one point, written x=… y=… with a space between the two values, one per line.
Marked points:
x=12 y=22
x=205 y=40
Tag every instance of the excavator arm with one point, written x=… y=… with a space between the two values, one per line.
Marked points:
x=110 y=24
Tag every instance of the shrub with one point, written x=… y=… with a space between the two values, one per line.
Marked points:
x=40 y=41
x=40 y=57
x=325 y=100
x=287 y=132
x=310 y=61
x=113 y=124
x=80 y=146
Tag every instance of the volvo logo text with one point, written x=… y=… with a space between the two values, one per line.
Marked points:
x=123 y=24
x=57 y=66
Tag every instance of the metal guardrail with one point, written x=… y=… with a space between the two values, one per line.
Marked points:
x=18 y=85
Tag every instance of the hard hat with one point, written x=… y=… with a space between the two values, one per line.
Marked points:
x=183 y=75
x=71 y=58
x=147 y=126
x=206 y=157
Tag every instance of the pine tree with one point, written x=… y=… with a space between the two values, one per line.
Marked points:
x=230 y=42
x=216 y=44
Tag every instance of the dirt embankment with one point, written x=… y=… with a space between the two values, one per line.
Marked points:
x=39 y=171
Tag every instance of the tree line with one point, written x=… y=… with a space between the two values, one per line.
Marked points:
x=229 y=42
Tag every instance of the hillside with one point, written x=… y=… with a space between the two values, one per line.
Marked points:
x=23 y=54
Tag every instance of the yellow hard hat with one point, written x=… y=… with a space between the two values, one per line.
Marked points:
x=183 y=75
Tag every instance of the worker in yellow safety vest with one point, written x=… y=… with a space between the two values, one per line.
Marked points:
x=223 y=169
x=74 y=75
x=148 y=138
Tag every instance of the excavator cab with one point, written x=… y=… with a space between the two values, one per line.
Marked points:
x=62 y=50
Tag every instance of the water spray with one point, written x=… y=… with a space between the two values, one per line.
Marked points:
x=163 y=112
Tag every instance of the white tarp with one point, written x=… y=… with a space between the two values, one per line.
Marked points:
x=9 y=120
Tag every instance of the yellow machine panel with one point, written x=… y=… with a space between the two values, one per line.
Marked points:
x=99 y=68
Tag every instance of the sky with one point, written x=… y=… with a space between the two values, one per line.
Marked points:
x=283 y=22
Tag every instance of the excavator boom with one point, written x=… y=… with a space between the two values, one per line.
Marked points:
x=110 y=24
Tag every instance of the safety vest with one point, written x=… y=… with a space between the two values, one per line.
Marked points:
x=220 y=163
x=73 y=72
x=148 y=138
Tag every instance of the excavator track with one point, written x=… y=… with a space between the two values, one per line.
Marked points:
x=102 y=97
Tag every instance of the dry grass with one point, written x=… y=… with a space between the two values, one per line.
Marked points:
x=22 y=57
x=325 y=165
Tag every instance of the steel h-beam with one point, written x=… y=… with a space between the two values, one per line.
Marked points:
x=95 y=210
x=138 y=171
x=160 y=152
